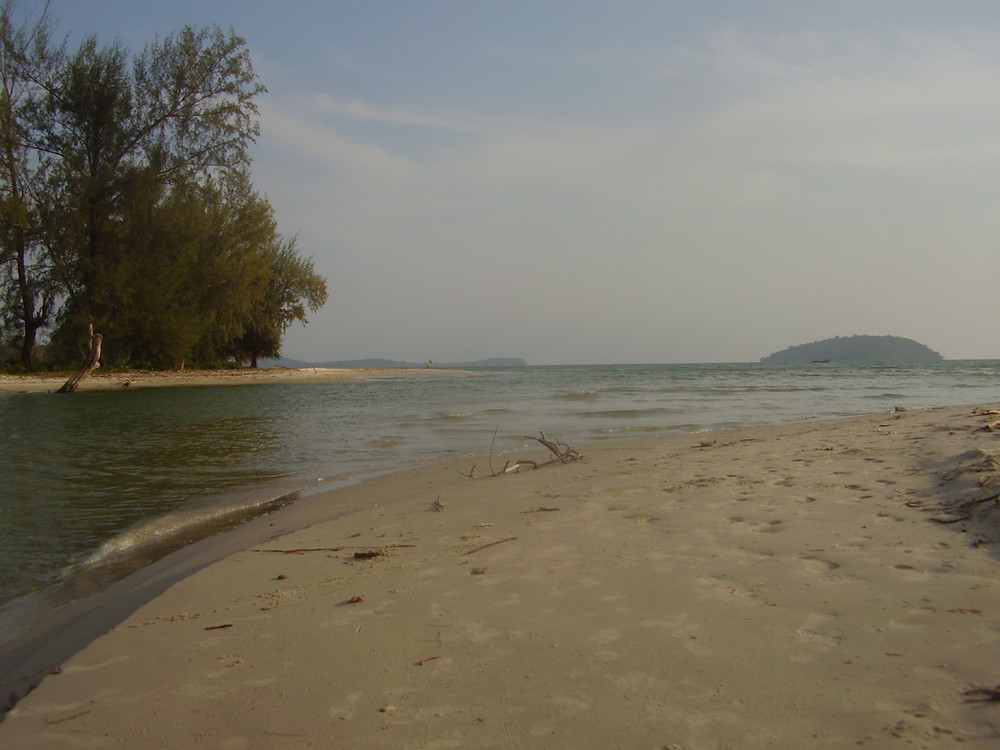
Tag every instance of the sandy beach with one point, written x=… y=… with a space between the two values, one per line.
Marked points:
x=812 y=585
x=102 y=380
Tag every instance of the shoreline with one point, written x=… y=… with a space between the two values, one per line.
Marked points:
x=656 y=550
x=103 y=380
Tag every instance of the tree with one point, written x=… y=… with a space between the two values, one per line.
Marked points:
x=126 y=206
x=26 y=288
x=234 y=261
x=293 y=286
x=185 y=110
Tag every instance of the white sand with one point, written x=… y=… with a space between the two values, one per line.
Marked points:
x=753 y=588
x=103 y=380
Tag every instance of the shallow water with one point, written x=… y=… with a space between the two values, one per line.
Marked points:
x=96 y=483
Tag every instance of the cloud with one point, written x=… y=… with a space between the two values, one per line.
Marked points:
x=906 y=101
x=734 y=223
x=296 y=130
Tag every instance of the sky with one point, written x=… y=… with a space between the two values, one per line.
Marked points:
x=579 y=182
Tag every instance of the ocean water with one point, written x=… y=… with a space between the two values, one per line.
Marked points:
x=95 y=484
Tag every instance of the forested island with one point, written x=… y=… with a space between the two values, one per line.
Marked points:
x=855 y=349
x=128 y=216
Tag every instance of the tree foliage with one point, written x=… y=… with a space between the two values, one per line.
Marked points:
x=27 y=292
x=126 y=201
x=855 y=349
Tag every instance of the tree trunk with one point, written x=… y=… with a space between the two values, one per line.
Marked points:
x=28 y=348
x=93 y=362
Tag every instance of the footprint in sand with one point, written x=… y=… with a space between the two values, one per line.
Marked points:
x=607 y=635
x=347 y=708
x=911 y=573
x=768 y=528
x=566 y=706
x=815 y=630
x=758 y=527
x=722 y=588
x=818 y=564
x=882 y=517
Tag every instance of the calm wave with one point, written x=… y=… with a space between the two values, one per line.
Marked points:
x=97 y=483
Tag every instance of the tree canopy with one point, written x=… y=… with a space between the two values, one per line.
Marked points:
x=126 y=202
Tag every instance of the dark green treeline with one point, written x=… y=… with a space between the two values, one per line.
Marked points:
x=126 y=202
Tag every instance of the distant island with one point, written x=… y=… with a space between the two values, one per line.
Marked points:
x=391 y=364
x=855 y=349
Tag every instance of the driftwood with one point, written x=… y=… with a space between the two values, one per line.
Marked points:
x=959 y=509
x=964 y=510
x=491 y=544
x=983 y=695
x=365 y=553
x=93 y=362
x=561 y=454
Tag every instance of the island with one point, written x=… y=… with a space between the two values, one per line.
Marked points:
x=856 y=349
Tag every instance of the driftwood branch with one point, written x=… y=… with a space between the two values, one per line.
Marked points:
x=963 y=511
x=491 y=544
x=92 y=363
x=561 y=454
x=367 y=551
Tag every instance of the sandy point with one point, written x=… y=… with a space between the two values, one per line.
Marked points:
x=105 y=380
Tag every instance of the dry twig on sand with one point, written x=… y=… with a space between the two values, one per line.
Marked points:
x=366 y=553
x=490 y=544
x=561 y=454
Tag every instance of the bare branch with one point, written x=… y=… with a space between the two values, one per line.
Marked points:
x=561 y=454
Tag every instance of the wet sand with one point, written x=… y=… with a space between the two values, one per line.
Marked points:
x=775 y=587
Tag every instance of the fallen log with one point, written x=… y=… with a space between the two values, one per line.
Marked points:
x=92 y=363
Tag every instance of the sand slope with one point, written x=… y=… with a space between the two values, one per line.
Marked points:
x=753 y=588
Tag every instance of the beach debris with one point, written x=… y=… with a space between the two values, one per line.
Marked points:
x=301 y=550
x=281 y=577
x=219 y=627
x=491 y=544
x=50 y=722
x=561 y=454
x=387 y=709
x=92 y=363
x=437 y=504
x=356 y=599
x=366 y=553
x=541 y=509
x=963 y=511
x=957 y=509
x=428 y=659
x=983 y=695
x=479 y=571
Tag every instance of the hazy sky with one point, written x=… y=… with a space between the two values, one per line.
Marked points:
x=598 y=182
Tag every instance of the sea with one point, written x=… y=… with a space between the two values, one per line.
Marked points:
x=96 y=484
